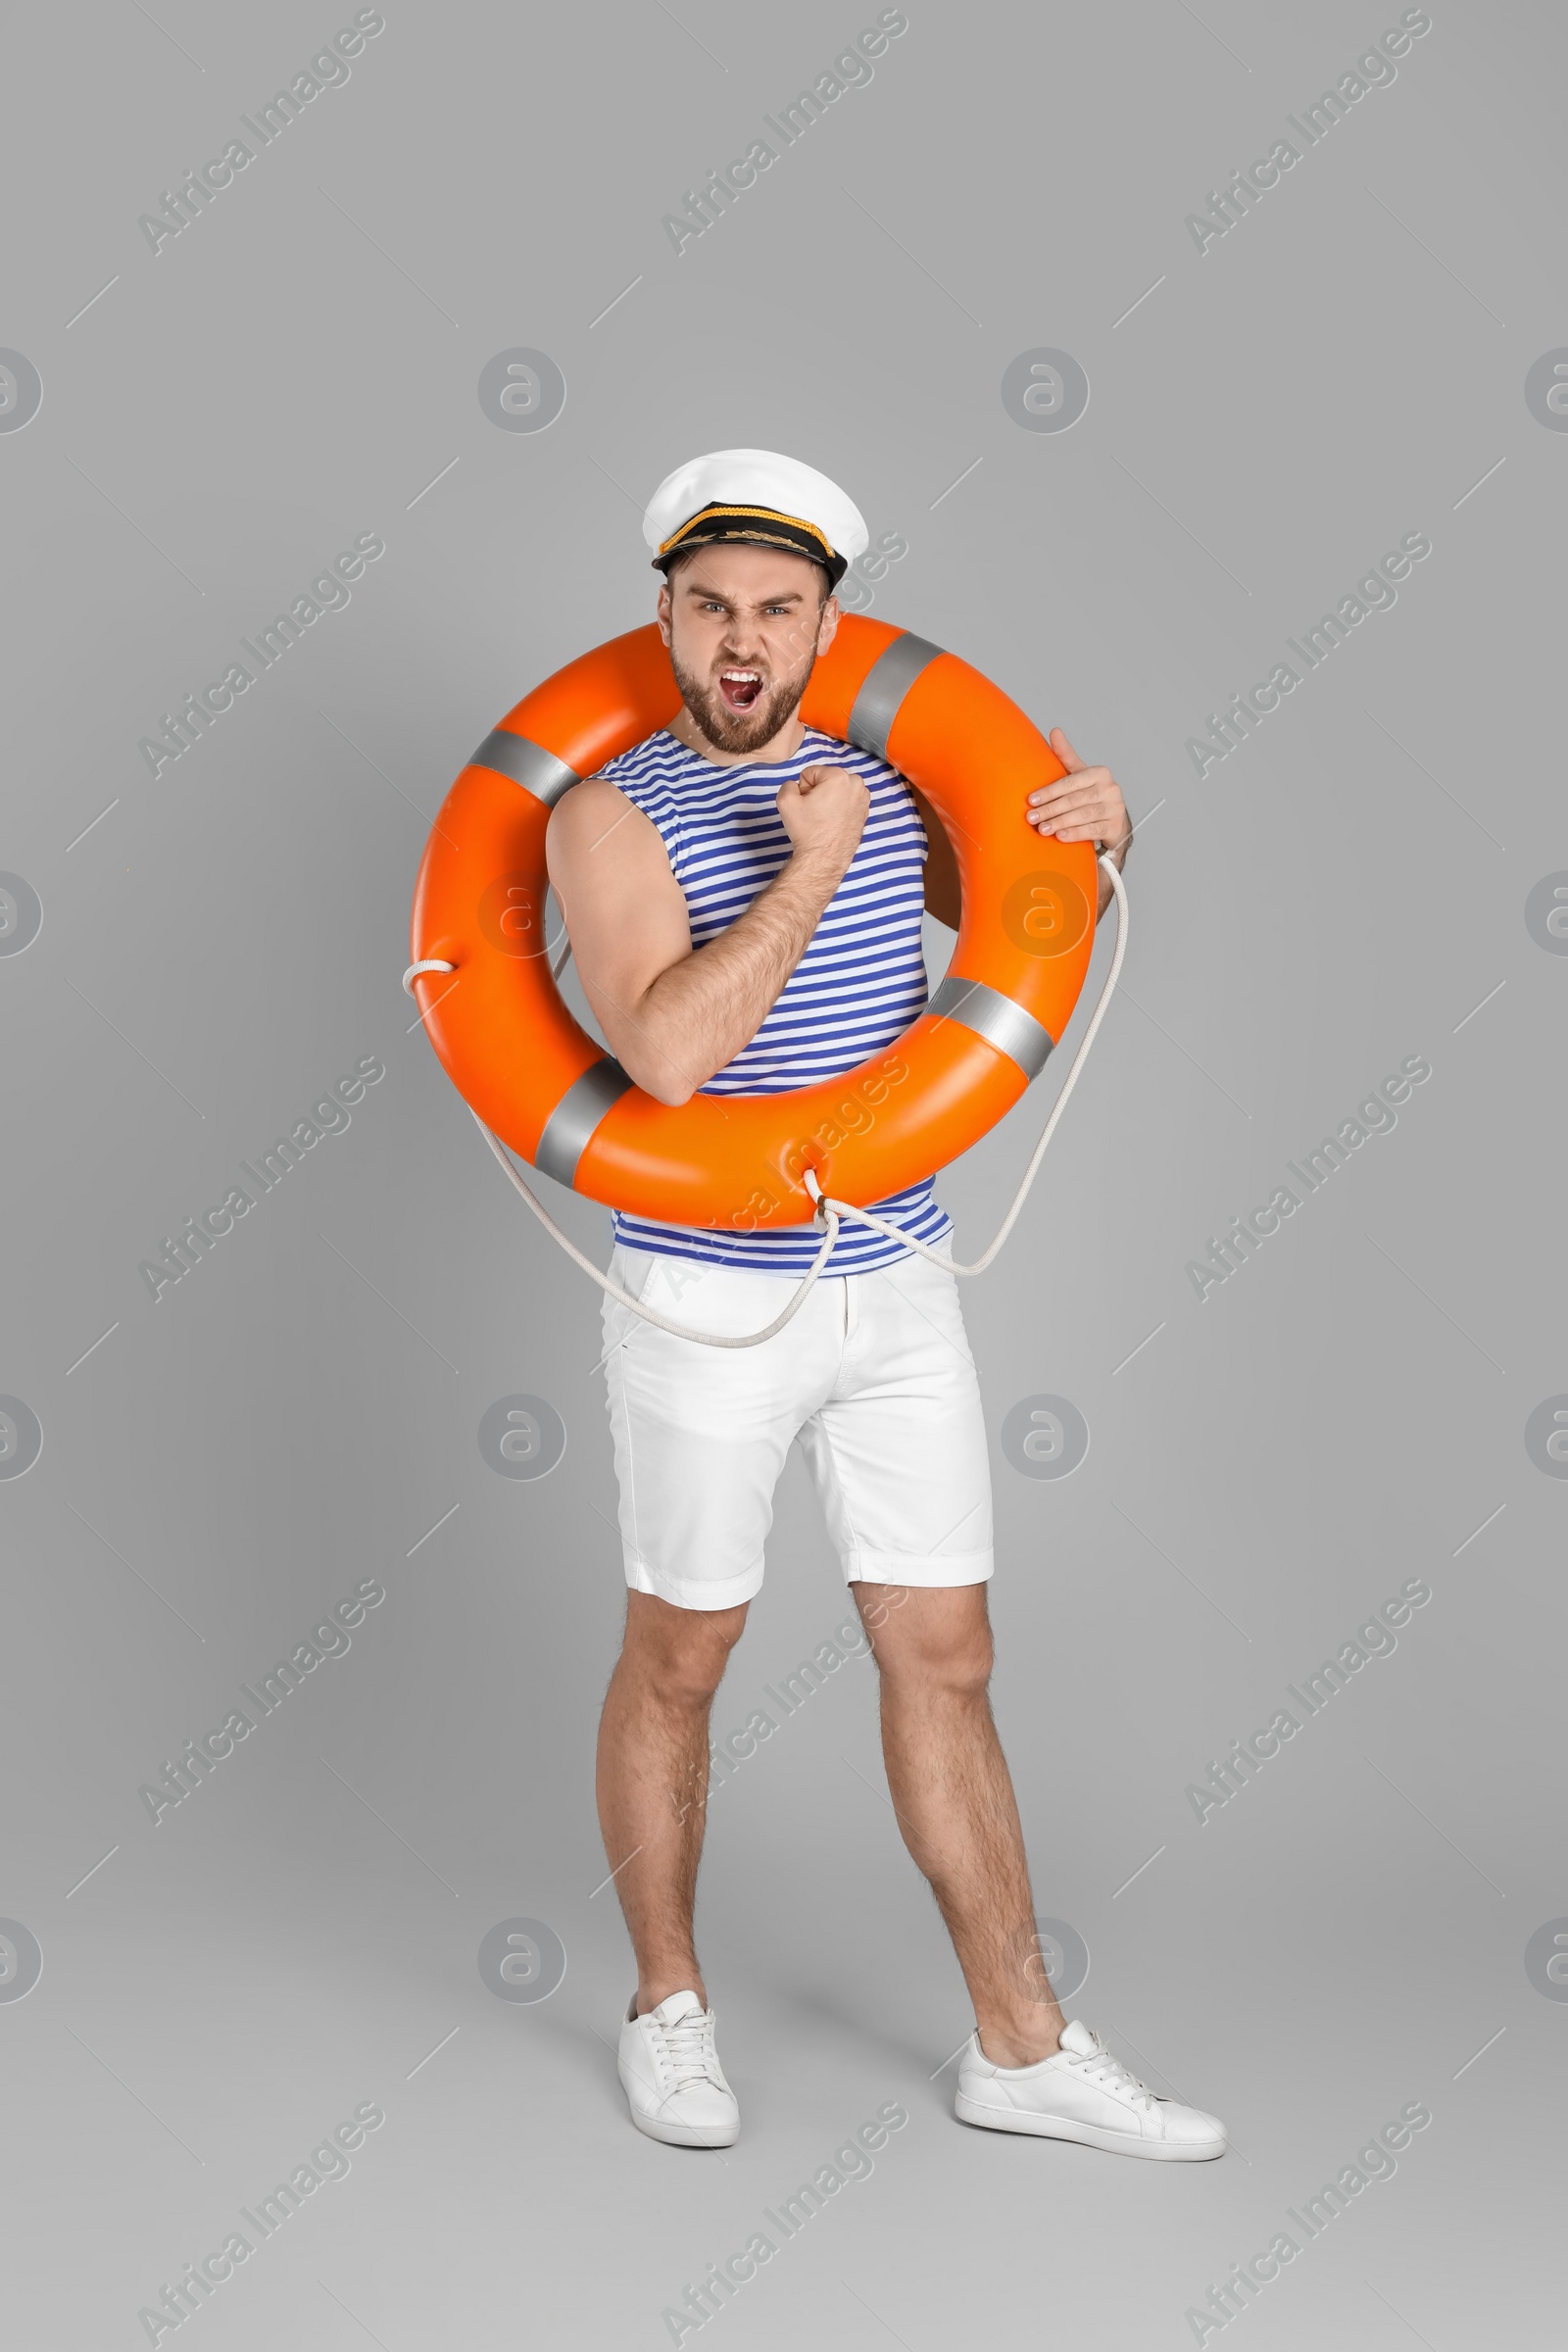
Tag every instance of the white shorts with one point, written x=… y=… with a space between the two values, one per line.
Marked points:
x=875 y=1377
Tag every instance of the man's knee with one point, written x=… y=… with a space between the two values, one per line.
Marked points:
x=682 y=1652
x=938 y=1638
x=963 y=1672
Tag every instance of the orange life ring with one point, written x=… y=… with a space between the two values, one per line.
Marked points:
x=550 y=1092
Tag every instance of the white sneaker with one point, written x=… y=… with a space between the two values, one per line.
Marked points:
x=1082 y=2092
x=671 y=2074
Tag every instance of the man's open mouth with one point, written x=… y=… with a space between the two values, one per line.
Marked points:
x=739 y=688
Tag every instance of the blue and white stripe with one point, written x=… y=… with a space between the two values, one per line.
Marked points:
x=859 y=984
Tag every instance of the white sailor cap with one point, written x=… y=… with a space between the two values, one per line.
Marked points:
x=754 y=494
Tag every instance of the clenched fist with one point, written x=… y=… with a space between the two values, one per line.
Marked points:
x=824 y=814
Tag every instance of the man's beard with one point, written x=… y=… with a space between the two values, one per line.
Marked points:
x=738 y=730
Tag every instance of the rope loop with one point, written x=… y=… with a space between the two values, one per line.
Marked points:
x=828 y=1214
x=428 y=965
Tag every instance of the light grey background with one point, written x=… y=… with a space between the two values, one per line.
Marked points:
x=1346 y=889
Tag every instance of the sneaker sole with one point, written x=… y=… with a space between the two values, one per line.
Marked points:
x=687 y=2135
x=1089 y=2136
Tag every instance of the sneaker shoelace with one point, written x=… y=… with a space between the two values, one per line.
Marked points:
x=688 y=2051
x=1101 y=2067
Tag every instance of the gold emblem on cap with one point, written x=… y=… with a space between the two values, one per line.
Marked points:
x=759 y=514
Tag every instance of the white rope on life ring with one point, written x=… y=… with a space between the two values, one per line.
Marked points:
x=830 y=1212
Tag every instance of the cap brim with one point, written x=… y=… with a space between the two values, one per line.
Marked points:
x=784 y=536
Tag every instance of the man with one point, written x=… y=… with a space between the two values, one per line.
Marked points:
x=744 y=898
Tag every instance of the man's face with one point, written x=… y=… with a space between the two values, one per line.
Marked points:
x=743 y=626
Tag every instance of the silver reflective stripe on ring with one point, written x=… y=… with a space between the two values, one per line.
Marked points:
x=996 y=1018
x=537 y=770
x=575 y=1117
x=883 y=689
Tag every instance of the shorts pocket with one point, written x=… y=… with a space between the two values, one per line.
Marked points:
x=914 y=1270
x=932 y=1292
x=633 y=1269
x=666 y=1285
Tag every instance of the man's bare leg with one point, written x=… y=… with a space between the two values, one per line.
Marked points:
x=952 y=1794
x=653 y=1780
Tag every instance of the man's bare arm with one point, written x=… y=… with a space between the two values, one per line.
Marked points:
x=673 y=1014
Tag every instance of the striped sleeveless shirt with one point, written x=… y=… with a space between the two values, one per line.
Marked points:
x=859 y=984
